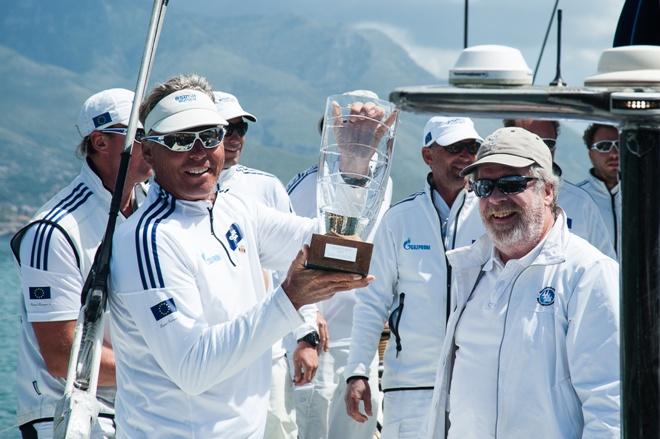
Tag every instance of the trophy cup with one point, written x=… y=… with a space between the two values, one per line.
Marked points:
x=354 y=167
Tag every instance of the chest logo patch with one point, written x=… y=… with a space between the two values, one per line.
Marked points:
x=408 y=245
x=234 y=236
x=163 y=309
x=39 y=293
x=546 y=296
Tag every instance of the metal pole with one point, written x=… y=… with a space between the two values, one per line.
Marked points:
x=640 y=292
x=545 y=40
x=465 y=25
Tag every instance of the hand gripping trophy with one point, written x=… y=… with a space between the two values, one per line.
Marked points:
x=354 y=167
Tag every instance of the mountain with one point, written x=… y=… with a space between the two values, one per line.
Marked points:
x=53 y=55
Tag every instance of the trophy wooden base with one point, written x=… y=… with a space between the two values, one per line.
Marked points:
x=334 y=253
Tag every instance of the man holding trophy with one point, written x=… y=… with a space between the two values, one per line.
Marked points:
x=192 y=322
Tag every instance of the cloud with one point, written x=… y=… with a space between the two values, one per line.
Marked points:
x=435 y=60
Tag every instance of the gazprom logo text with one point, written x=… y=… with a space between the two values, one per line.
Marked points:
x=407 y=245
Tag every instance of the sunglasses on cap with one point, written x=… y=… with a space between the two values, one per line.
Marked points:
x=239 y=127
x=605 y=145
x=550 y=143
x=183 y=141
x=508 y=185
x=472 y=146
x=139 y=133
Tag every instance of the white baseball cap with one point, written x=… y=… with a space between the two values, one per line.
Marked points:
x=447 y=130
x=229 y=108
x=181 y=110
x=104 y=109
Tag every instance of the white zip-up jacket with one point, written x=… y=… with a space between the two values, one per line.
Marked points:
x=192 y=324
x=410 y=289
x=558 y=363
x=54 y=254
x=584 y=218
x=262 y=187
x=609 y=204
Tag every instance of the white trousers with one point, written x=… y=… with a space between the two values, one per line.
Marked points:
x=320 y=406
x=281 y=419
x=404 y=413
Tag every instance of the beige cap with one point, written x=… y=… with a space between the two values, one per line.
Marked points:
x=512 y=146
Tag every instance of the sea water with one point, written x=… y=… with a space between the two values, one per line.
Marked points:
x=9 y=336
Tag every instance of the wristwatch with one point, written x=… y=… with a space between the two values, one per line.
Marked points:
x=311 y=339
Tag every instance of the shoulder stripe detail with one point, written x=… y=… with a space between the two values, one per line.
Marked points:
x=78 y=196
x=149 y=221
x=246 y=170
x=408 y=198
x=295 y=181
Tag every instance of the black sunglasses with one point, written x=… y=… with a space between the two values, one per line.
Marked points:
x=605 y=145
x=472 y=146
x=550 y=143
x=240 y=127
x=139 y=133
x=510 y=184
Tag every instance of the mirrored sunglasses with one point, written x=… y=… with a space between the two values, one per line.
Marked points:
x=472 y=147
x=550 y=143
x=139 y=133
x=183 y=141
x=240 y=128
x=508 y=185
x=605 y=145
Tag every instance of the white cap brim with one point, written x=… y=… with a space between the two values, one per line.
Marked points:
x=183 y=120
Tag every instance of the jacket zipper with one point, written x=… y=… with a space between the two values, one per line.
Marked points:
x=499 y=352
x=394 y=325
x=210 y=209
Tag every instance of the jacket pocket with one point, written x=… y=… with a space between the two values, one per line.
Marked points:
x=394 y=320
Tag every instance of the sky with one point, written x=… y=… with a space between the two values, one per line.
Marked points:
x=432 y=31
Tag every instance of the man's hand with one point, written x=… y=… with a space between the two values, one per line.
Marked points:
x=359 y=134
x=304 y=286
x=324 y=333
x=305 y=363
x=357 y=389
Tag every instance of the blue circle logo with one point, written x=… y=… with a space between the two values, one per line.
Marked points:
x=546 y=296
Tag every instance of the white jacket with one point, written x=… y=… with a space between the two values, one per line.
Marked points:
x=559 y=364
x=584 y=218
x=54 y=254
x=410 y=288
x=192 y=324
x=262 y=187
x=609 y=204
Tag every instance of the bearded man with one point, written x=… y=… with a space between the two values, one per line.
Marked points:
x=532 y=345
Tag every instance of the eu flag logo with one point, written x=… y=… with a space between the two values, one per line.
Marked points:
x=102 y=119
x=234 y=236
x=39 y=293
x=163 y=309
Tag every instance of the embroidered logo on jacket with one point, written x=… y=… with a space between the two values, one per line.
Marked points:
x=163 y=309
x=234 y=236
x=407 y=245
x=39 y=293
x=546 y=296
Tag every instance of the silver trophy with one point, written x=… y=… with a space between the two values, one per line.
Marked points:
x=354 y=167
